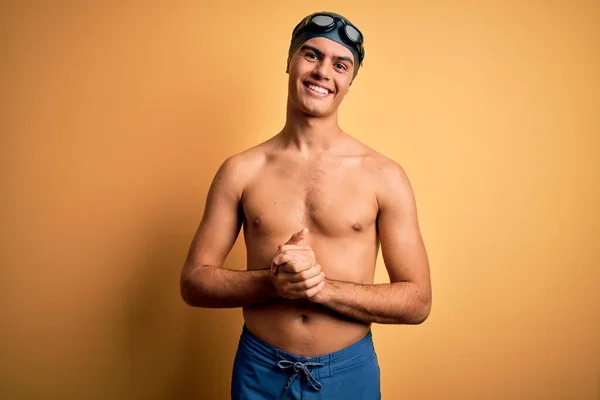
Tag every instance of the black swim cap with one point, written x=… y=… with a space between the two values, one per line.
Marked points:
x=305 y=31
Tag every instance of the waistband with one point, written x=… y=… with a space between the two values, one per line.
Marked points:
x=322 y=366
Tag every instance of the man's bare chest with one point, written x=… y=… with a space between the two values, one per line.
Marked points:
x=336 y=203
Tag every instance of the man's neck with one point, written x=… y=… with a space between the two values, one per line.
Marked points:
x=310 y=134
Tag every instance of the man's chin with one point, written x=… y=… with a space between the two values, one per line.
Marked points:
x=316 y=111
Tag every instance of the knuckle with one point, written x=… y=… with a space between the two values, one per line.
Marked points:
x=305 y=275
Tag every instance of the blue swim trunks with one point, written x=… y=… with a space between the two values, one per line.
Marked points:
x=261 y=372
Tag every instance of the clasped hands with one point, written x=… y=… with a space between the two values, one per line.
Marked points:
x=294 y=270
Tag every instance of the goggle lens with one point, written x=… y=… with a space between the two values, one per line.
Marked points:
x=323 y=20
x=353 y=34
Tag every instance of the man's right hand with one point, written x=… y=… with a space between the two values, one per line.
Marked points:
x=295 y=273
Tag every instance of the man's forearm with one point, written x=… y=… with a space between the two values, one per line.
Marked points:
x=393 y=303
x=216 y=287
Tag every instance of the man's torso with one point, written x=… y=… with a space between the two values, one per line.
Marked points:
x=335 y=196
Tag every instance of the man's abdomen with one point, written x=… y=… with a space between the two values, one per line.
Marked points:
x=303 y=328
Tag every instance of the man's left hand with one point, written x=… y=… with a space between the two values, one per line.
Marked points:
x=289 y=252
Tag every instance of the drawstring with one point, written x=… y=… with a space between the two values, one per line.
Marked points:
x=298 y=369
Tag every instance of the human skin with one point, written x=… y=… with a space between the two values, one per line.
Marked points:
x=310 y=291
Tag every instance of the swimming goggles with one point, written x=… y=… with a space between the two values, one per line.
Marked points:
x=326 y=22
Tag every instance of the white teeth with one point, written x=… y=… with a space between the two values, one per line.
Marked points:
x=318 y=89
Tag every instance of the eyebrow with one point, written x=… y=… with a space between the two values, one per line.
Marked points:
x=320 y=54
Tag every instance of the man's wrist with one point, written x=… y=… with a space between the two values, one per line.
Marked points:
x=267 y=283
x=327 y=293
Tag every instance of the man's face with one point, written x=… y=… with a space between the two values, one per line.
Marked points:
x=320 y=74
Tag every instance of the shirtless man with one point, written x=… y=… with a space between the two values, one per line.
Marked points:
x=315 y=205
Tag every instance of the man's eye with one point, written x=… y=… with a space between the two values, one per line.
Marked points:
x=312 y=56
x=341 y=66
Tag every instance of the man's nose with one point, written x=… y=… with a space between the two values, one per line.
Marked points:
x=323 y=70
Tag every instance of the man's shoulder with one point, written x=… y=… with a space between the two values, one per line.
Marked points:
x=244 y=159
x=386 y=174
x=380 y=164
x=244 y=165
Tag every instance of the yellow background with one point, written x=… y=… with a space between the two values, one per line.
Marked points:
x=114 y=118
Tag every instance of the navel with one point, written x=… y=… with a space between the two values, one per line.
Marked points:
x=257 y=221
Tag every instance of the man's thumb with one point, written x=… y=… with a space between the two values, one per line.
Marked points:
x=298 y=236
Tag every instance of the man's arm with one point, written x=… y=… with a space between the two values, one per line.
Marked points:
x=407 y=299
x=204 y=282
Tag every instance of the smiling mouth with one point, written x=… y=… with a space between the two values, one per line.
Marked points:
x=317 y=89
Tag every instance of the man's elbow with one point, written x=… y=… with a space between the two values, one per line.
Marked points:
x=423 y=312
x=420 y=311
x=186 y=290
x=191 y=290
